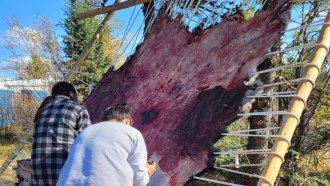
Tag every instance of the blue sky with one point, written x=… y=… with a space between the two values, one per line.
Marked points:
x=28 y=11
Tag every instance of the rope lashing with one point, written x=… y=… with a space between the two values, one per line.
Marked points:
x=244 y=173
x=316 y=23
x=285 y=82
x=215 y=181
x=280 y=96
x=306 y=45
x=254 y=130
x=283 y=67
x=259 y=135
x=281 y=112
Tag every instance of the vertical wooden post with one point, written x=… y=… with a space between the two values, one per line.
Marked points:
x=68 y=77
x=296 y=107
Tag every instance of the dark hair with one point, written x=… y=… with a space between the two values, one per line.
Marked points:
x=66 y=89
x=120 y=112
x=60 y=88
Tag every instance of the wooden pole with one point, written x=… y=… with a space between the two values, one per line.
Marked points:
x=111 y=8
x=296 y=107
x=68 y=77
x=13 y=154
x=88 y=47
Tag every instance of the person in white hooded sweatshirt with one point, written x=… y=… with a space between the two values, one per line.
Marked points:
x=109 y=153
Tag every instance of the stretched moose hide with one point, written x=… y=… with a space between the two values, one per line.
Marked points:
x=185 y=88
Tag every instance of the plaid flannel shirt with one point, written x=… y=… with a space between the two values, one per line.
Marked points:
x=54 y=133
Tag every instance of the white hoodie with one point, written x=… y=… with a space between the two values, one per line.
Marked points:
x=107 y=153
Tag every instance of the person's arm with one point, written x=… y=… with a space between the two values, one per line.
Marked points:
x=137 y=160
x=84 y=120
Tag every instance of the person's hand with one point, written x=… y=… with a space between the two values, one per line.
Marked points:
x=151 y=168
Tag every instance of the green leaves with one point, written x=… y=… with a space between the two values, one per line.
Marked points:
x=78 y=33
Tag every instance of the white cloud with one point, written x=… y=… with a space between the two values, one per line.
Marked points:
x=19 y=38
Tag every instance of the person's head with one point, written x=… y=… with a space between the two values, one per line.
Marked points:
x=60 y=88
x=66 y=89
x=119 y=113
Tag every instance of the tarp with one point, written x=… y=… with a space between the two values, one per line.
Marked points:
x=6 y=114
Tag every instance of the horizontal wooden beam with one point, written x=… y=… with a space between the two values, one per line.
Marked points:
x=111 y=8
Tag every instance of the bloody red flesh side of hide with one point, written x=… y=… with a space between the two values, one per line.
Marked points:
x=185 y=88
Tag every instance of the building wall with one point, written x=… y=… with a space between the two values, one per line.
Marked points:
x=37 y=89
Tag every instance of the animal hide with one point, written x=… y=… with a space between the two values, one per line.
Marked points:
x=185 y=88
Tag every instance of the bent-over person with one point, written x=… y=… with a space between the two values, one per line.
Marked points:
x=108 y=153
x=57 y=123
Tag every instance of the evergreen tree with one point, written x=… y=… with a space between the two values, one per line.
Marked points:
x=78 y=33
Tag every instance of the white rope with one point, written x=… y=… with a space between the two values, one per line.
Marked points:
x=193 y=12
x=241 y=165
x=169 y=7
x=210 y=17
x=244 y=173
x=272 y=96
x=302 y=1
x=251 y=151
x=128 y=24
x=116 y=56
x=307 y=45
x=254 y=130
x=252 y=135
x=132 y=25
x=244 y=3
x=178 y=8
x=134 y=19
x=263 y=113
x=215 y=181
x=220 y=13
x=150 y=20
x=29 y=133
x=277 y=93
x=200 y=20
x=153 y=18
x=271 y=113
x=136 y=33
x=260 y=136
x=25 y=142
x=286 y=82
x=18 y=154
x=186 y=9
x=262 y=6
x=28 y=150
x=134 y=46
x=316 y=23
x=4 y=182
x=283 y=67
x=144 y=20
x=280 y=96
x=172 y=10
x=231 y=10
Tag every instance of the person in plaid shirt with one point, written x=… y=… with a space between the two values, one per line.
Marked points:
x=58 y=121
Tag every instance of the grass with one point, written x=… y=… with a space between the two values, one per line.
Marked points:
x=318 y=175
x=7 y=145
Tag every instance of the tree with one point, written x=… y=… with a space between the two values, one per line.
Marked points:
x=304 y=143
x=35 y=52
x=78 y=33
